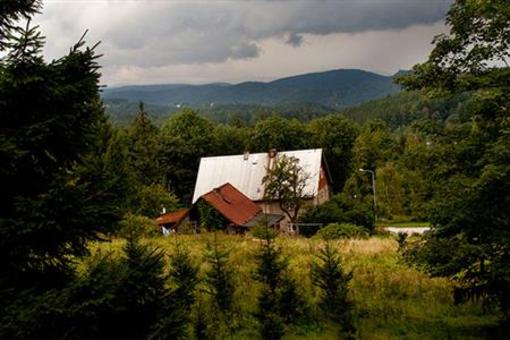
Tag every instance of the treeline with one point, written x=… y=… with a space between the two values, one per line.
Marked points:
x=169 y=156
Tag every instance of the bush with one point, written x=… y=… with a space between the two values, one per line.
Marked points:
x=137 y=226
x=338 y=231
x=341 y=209
x=151 y=198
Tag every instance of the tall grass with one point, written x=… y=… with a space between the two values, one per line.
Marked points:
x=392 y=300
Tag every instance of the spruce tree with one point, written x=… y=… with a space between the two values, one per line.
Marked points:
x=174 y=320
x=220 y=286
x=220 y=277
x=52 y=202
x=327 y=274
x=279 y=301
x=142 y=289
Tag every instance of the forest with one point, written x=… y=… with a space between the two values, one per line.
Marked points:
x=83 y=257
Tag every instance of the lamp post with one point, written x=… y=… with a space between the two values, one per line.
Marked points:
x=373 y=190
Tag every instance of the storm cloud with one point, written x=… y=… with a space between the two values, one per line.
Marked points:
x=158 y=34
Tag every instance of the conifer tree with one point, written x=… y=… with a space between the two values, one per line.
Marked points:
x=219 y=278
x=174 y=320
x=327 y=274
x=279 y=301
x=142 y=289
x=145 y=147
x=51 y=202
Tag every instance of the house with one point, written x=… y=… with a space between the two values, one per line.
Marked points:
x=237 y=211
x=246 y=171
x=234 y=212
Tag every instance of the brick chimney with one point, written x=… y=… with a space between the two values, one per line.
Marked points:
x=272 y=153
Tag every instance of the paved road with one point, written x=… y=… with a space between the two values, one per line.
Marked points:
x=408 y=231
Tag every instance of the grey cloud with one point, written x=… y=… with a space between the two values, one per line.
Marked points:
x=245 y=51
x=160 y=33
x=295 y=40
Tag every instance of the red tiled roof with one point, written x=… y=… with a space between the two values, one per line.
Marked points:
x=174 y=217
x=232 y=204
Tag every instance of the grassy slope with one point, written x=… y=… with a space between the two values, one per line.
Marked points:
x=392 y=300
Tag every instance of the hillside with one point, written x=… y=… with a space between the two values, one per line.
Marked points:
x=335 y=89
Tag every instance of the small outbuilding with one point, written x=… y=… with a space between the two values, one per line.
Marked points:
x=171 y=221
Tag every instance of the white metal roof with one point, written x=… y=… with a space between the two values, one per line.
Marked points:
x=246 y=174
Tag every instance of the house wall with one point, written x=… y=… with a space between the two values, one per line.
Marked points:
x=274 y=208
x=324 y=192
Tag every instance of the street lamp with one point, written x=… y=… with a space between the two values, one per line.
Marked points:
x=373 y=190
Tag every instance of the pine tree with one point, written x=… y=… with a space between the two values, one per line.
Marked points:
x=219 y=278
x=279 y=301
x=328 y=275
x=174 y=321
x=51 y=203
x=142 y=289
x=145 y=148
x=12 y=12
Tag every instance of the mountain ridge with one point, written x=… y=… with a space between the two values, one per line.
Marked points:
x=338 y=88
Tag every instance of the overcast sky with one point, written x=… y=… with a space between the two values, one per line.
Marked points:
x=186 y=41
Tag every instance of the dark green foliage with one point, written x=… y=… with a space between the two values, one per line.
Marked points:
x=328 y=275
x=231 y=140
x=220 y=277
x=279 y=301
x=11 y=12
x=142 y=289
x=186 y=137
x=291 y=305
x=336 y=136
x=278 y=133
x=113 y=298
x=151 y=199
x=470 y=240
x=209 y=217
x=201 y=322
x=137 y=226
x=58 y=191
x=145 y=149
x=271 y=323
x=341 y=209
x=175 y=319
x=336 y=231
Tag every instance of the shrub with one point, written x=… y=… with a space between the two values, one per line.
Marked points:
x=338 y=231
x=151 y=198
x=341 y=209
x=137 y=226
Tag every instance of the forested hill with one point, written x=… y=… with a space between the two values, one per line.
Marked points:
x=335 y=89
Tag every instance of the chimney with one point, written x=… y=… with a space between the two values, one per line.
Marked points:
x=163 y=211
x=246 y=155
x=272 y=153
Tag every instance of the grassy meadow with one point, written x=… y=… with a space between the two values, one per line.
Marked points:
x=392 y=300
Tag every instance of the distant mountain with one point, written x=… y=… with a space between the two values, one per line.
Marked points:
x=335 y=89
